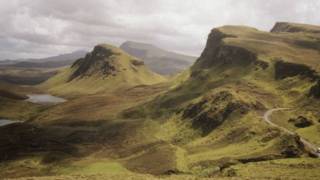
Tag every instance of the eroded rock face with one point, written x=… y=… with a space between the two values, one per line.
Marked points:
x=213 y=110
x=294 y=27
x=99 y=60
x=217 y=52
x=287 y=69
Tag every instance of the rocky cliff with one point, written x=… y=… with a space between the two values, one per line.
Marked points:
x=295 y=28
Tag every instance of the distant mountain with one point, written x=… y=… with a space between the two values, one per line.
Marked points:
x=7 y=62
x=159 y=60
x=106 y=68
x=49 y=62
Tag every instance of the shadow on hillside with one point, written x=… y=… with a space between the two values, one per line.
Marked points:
x=58 y=142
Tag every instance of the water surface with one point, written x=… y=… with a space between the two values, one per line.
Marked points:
x=44 y=99
x=4 y=122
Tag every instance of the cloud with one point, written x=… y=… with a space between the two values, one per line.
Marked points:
x=38 y=28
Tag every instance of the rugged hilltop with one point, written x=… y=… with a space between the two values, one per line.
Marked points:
x=159 y=60
x=215 y=110
x=105 y=68
x=295 y=27
x=286 y=62
x=289 y=51
x=300 y=47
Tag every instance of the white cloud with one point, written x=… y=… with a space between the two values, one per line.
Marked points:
x=34 y=28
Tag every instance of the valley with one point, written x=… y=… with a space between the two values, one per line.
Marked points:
x=247 y=108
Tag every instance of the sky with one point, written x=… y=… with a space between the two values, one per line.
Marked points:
x=42 y=28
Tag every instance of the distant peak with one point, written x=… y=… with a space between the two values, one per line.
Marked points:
x=137 y=44
x=106 y=47
x=99 y=60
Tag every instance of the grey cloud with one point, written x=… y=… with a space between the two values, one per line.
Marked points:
x=43 y=28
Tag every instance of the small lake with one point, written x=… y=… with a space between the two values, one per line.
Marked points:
x=4 y=122
x=45 y=99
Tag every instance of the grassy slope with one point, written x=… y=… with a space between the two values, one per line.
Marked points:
x=302 y=168
x=293 y=90
x=249 y=136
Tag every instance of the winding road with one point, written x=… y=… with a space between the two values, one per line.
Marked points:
x=312 y=148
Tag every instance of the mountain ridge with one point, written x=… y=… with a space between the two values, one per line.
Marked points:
x=48 y=62
x=157 y=59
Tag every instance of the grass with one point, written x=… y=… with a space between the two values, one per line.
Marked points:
x=304 y=168
x=311 y=133
x=95 y=167
x=18 y=109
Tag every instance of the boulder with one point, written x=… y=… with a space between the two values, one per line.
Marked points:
x=301 y=122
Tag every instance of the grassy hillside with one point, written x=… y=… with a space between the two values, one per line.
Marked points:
x=12 y=104
x=106 y=68
x=207 y=122
x=215 y=115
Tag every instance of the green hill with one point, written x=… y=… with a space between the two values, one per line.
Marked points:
x=106 y=68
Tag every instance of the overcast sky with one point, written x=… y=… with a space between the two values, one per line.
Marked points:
x=40 y=28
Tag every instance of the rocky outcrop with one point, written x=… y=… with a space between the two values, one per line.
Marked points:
x=301 y=122
x=286 y=69
x=217 y=52
x=97 y=61
x=291 y=146
x=294 y=28
x=212 y=110
x=137 y=62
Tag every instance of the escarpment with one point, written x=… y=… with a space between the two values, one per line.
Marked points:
x=294 y=28
x=217 y=52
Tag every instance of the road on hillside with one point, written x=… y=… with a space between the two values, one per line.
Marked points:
x=311 y=147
